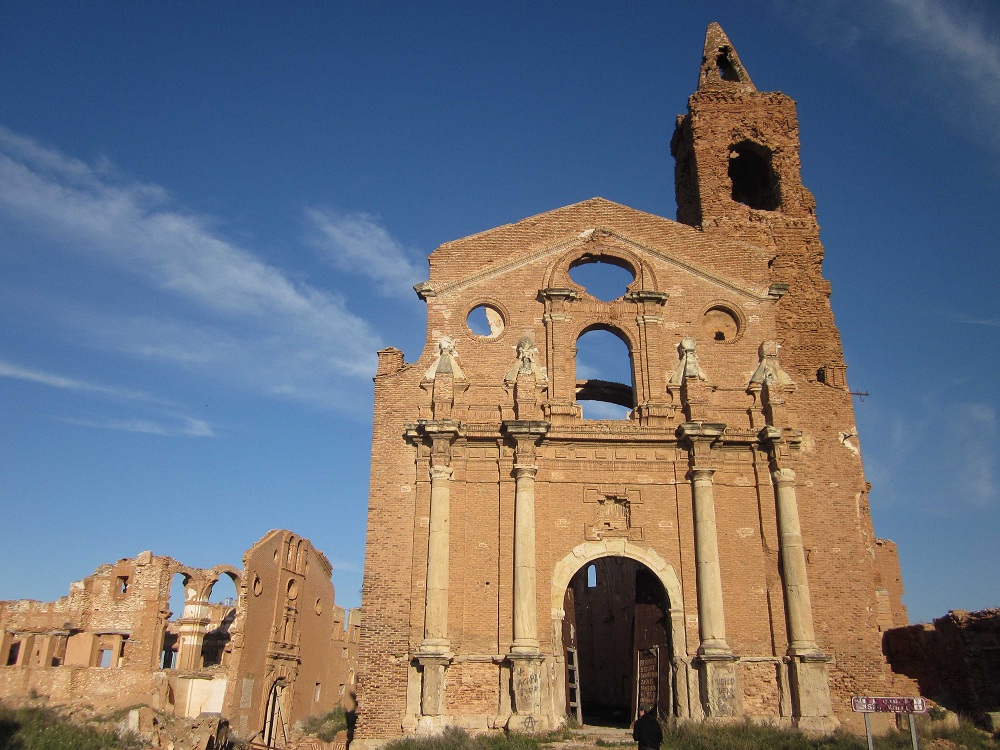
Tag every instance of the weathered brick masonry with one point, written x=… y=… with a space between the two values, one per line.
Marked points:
x=713 y=552
x=278 y=653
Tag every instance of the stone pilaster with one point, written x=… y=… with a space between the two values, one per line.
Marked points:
x=720 y=695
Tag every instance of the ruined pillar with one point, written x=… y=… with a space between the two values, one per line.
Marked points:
x=434 y=653
x=716 y=663
x=525 y=611
x=191 y=628
x=524 y=654
x=808 y=671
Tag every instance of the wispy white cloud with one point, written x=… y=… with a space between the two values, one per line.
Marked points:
x=9 y=370
x=962 y=318
x=357 y=243
x=949 y=49
x=960 y=48
x=230 y=315
x=184 y=427
x=177 y=424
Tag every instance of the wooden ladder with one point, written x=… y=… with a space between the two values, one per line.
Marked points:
x=573 y=684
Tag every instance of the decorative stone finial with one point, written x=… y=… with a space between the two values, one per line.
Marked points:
x=446 y=361
x=688 y=367
x=527 y=353
x=769 y=370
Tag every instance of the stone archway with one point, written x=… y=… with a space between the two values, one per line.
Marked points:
x=579 y=559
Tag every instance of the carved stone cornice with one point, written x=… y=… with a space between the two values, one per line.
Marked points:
x=700 y=431
x=524 y=427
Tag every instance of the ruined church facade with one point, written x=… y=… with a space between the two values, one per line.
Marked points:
x=712 y=553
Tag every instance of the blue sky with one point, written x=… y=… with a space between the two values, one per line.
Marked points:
x=211 y=216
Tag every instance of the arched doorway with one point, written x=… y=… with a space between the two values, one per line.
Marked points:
x=618 y=621
x=617 y=637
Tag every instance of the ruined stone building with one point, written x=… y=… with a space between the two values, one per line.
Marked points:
x=712 y=551
x=955 y=660
x=283 y=650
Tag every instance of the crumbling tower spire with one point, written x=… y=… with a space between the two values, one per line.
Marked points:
x=738 y=175
x=721 y=69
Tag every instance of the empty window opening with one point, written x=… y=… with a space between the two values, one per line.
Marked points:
x=104 y=657
x=617 y=640
x=316 y=692
x=178 y=595
x=168 y=657
x=591 y=577
x=216 y=646
x=485 y=321
x=121 y=586
x=752 y=175
x=12 y=654
x=224 y=591
x=727 y=71
x=605 y=279
x=604 y=384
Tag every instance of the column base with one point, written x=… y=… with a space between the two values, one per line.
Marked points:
x=526 y=691
x=432 y=685
x=812 y=709
x=719 y=687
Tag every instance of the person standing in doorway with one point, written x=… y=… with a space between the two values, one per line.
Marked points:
x=647 y=731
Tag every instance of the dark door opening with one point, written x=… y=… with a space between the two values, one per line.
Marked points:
x=616 y=635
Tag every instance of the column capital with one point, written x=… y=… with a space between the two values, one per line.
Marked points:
x=783 y=477
x=440 y=472
x=525 y=470
x=701 y=473
x=700 y=432
x=771 y=436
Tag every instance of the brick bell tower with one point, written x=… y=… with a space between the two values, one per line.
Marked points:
x=737 y=174
x=710 y=552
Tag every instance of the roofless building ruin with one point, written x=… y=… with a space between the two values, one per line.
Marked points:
x=711 y=551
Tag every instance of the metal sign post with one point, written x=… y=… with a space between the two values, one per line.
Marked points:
x=908 y=706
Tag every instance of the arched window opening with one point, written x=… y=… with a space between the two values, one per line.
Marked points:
x=224 y=591
x=727 y=71
x=754 y=182
x=604 y=278
x=171 y=634
x=618 y=642
x=216 y=647
x=604 y=383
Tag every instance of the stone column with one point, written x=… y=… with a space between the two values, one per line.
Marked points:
x=802 y=637
x=719 y=691
x=525 y=611
x=436 y=603
x=711 y=617
x=434 y=653
x=524 y=654
x=808 y=672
